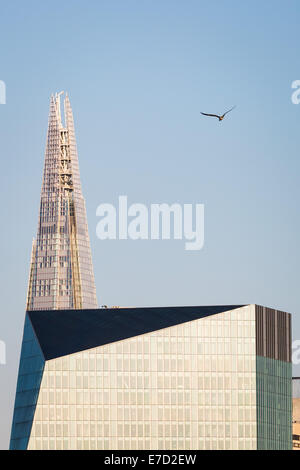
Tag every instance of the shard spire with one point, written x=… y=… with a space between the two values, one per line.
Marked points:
x=61 y=272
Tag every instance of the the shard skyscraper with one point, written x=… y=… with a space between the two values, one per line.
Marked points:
x=61 y=272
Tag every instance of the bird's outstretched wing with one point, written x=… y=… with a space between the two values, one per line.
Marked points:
x=229 y=110
x=212 y=115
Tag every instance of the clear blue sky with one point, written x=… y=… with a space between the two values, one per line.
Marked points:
x=138 y=73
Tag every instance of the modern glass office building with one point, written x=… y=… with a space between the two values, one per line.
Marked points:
x=156 y=378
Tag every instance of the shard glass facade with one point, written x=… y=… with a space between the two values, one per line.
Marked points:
x=61 y=272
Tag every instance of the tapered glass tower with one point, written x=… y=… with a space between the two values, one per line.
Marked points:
x=61 y=272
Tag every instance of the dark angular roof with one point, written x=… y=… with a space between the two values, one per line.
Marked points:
x=63 y=332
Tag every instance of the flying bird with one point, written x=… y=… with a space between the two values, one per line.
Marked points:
x=217 y=116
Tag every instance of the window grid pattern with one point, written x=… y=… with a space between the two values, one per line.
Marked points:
x=61 y=272
x=274 y=404
x=190 y=386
